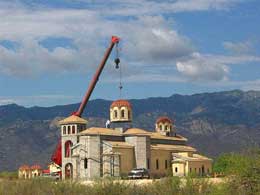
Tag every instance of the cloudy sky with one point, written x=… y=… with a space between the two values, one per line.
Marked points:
x=49 y=49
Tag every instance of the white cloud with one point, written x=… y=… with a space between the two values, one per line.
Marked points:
x=199 y=68
x=202 y=5
x=144 y=7
x=5 y=101
x=236 y=59
x=151 y=43
x=234 y=84
x=152 y=40
x=239 y=47
x=251 y=85
x=39 y=99
x=146 y=39
x=151 y=78
x=211 y=67
x=32 y=59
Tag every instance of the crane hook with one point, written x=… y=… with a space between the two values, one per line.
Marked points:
x=120 y=86
x=117 y=61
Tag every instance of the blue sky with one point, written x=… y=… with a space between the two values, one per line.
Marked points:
x=49 y=49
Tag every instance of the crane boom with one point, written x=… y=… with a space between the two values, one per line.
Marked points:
x=114 y=40
x=56 y=157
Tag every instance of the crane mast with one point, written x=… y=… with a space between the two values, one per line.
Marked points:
x=114 y=40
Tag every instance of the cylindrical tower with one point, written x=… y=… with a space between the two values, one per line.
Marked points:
x=164 y=125
x=121 y=115
x=120 y=111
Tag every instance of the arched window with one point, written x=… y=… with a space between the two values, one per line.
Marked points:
x=115 y=114
x=68 y=171
x=64 y=130
x=67 y=148
x=73 y=129
x=166 y=127
x=68 y=129
x=160 y=126
x=176 y=169
x=123 y=113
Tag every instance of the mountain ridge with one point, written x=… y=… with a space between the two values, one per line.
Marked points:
x=213 y=122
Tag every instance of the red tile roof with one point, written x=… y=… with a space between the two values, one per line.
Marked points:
x=47 y=171
x=163 y=119
x=24 y=167
x=36 y=167
x=120 y=103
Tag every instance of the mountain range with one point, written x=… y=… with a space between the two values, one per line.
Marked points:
x=213 y=123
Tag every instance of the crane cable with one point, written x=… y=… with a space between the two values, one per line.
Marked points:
x=117 y=61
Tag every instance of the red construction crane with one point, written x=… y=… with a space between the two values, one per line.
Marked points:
x=94 y=81
x=56 y=157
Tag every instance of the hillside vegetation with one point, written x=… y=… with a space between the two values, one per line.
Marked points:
x=213 y=123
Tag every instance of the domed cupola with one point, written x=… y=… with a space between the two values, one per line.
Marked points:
x=120 y=111
x=164 y=125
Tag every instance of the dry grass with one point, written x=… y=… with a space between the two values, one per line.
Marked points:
x=166 y=186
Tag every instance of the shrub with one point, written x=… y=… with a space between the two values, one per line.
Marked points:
x=243 y=170
x=9 y=175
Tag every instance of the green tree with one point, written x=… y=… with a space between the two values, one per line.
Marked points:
x=243 y=170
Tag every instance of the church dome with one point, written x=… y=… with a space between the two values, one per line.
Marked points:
x=121 y=111
x=164 y=119
x=164 y=125
x=121 y=103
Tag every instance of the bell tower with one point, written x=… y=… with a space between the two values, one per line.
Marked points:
x=164 y=126
x=121 y=111
x=70 y=128
x=121 y=115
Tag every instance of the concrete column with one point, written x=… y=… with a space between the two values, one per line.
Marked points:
x=94 y=158
x=116 y=165
x=141 y=148
x=83 y=153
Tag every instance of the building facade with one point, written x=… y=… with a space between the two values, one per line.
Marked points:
x=116 y=150
x=27 y=172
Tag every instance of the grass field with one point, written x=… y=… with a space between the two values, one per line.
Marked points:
x=165 y=186
x=242 y=172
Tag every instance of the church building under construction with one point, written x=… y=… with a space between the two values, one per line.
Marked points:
x=117 y=149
